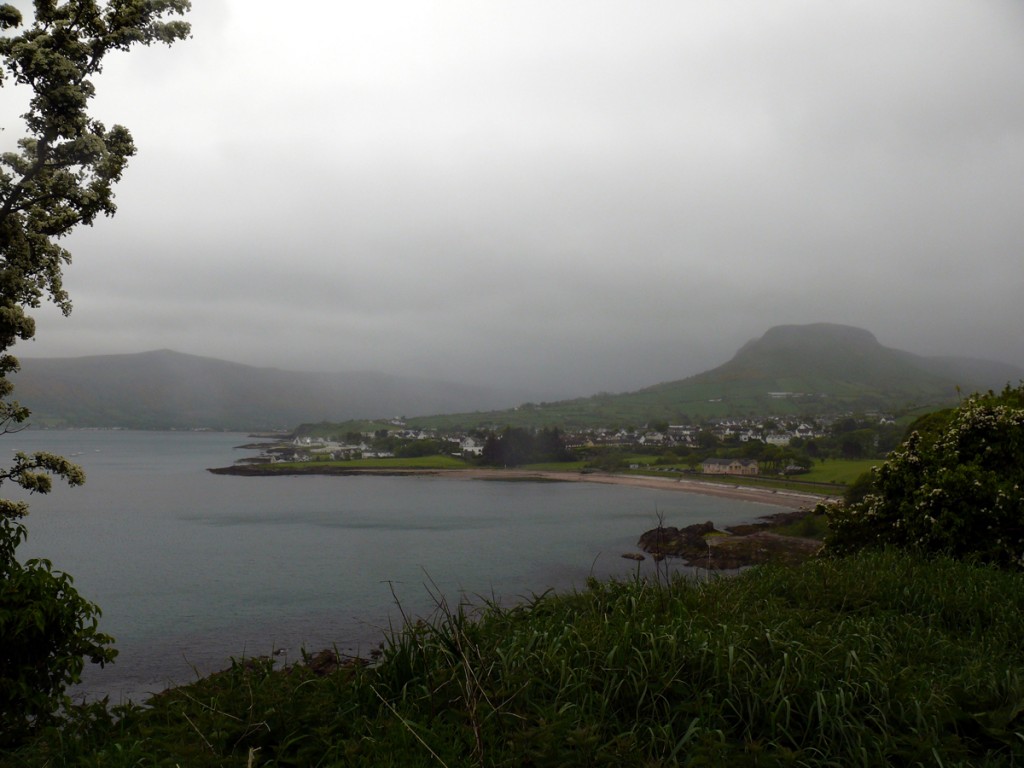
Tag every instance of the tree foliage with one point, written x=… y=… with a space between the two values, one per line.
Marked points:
x=956 y=488
x=514 y=446
x=61 y=176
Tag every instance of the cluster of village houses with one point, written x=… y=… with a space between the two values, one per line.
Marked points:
x=685 y=436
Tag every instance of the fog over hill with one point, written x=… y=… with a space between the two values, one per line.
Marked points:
x=790 y=369
x=171 y=390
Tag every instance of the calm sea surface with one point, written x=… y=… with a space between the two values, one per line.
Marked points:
x=192 y=569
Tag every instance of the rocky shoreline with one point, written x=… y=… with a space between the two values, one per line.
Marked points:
x=703 y=546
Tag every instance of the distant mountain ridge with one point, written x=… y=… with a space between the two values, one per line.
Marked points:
x=170 y=390
x=791 y=369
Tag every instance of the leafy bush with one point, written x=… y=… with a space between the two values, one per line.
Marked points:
x=956 y=488
x=46 y=631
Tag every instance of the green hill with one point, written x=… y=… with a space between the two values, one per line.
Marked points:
x=812 y=368
x=791 y=370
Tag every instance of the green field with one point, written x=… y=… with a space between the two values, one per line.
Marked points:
x=840 y=471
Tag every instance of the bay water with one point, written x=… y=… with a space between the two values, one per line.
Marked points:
x=192 y=569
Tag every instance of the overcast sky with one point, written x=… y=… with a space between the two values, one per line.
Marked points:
x=566 y=196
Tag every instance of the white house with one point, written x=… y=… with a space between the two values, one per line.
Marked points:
x=471 y=447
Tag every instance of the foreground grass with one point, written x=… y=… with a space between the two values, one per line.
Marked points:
x=875 y=660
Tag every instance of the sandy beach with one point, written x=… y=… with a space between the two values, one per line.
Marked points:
x=779 y=498
x=788 y=499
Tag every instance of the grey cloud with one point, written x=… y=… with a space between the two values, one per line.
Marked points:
x=571 y=197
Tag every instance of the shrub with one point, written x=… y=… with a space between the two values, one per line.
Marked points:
x=957 y=489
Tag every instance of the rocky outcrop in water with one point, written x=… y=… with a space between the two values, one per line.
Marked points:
x=689 y=542
x=702 y=546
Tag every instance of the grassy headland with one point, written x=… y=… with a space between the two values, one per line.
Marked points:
x=878 y=659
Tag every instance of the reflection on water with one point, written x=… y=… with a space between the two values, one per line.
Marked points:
x=192 y=568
